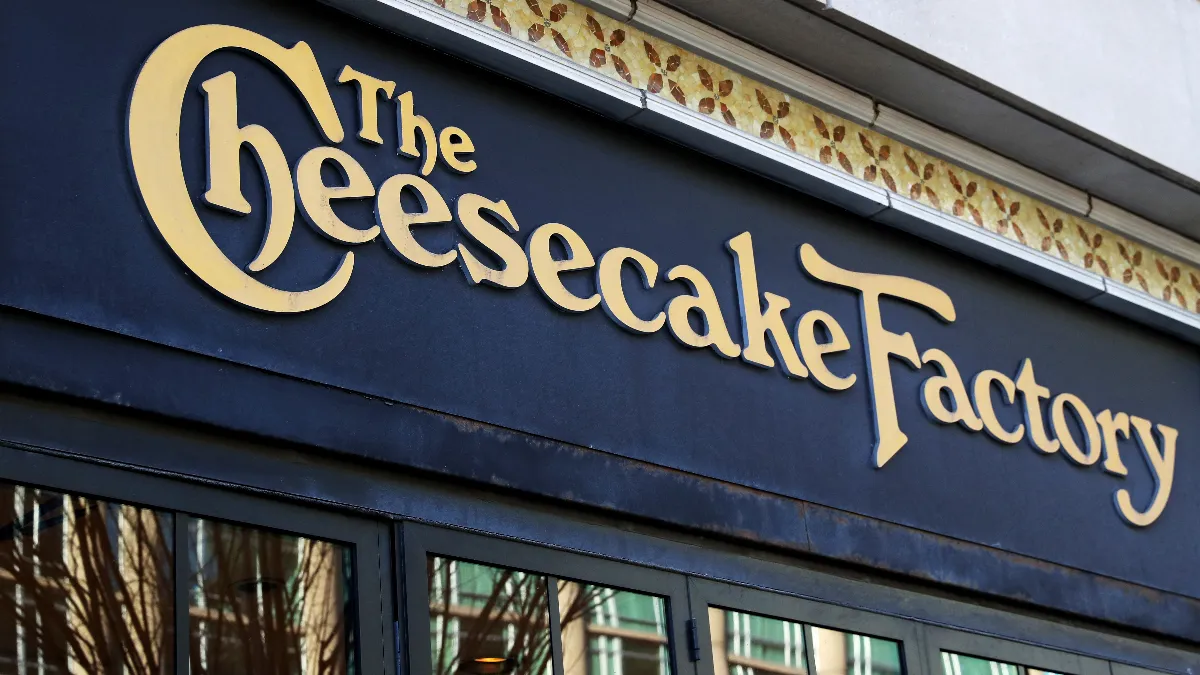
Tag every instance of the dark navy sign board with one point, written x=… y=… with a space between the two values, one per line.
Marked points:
x=78 y=246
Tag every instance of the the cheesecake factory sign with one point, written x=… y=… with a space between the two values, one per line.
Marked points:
x=1106 y=439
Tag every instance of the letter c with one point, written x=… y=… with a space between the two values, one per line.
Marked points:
x=154 y=118
x=982 y=389
x=612 y=294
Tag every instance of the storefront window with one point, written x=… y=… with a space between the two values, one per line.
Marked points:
x=745 y=644
x=612 y=632
x=86 y=586
x=958 y=664
x=838 y=653
x=263 y=603
x=487 y=620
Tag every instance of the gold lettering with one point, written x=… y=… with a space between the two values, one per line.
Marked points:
x=950 y=382
x=1110 y=426
x=612 y=294
x=814 y=352
x=982 y=389
x=455 y=141
x=154 y=116
x=1032 y=394
x=397 y=224
x=225 y=141
x=546 y=269
x=410 y=123
x=153 y=136
x=1162 y=465
x=759 y=323
x=880 y=342
x=369 y=89
x=1062 y=431
x=703 y=301
x=315 y=195
x=516 y=268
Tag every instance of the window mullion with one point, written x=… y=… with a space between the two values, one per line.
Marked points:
x=556 y=648
x=810 y=654
x=182 y=601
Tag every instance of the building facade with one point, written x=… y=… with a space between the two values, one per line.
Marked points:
x=536 y=337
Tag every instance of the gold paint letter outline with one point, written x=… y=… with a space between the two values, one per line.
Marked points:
x=880 y=342
x=154 y=118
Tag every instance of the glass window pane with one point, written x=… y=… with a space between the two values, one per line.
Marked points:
x=610 y=632
x=838 y=653
x=86 y=586
x=959 y=664
x=268 y=603
x=744 y=644
x=487 y=620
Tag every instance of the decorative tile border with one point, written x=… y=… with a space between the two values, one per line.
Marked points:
x=627 y=54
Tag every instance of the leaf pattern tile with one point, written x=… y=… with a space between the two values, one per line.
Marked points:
x=622 y=52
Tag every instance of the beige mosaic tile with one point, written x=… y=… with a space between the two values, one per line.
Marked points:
x=623 y=52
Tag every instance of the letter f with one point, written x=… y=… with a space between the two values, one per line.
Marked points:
x=880 y=342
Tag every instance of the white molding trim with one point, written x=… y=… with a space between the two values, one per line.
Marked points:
x=442 y=29
x=656 y=18
x=1142 y=308
x=618 y=9
x=1144 y=231
x=715 y=138
x=496 y=51
x=701 y=38
x=989 y=247
x=977 y=158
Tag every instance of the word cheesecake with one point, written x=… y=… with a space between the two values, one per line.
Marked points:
x=1061 y=423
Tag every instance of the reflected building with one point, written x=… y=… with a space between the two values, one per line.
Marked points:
x=749 y=644
x=87 y=587
x=487 y=620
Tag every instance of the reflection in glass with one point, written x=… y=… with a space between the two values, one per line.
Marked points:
x=958 y=664
x=744 y=644
x=85 y=586
x=838 y=653
x=263 y=603
x=611 y=632
x=487 y=620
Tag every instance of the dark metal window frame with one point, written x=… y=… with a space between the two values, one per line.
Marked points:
x=416 y=542
x=705 y=594
x=1122 y=669
x=120 y=452
x=938 y=640
x=689 y=597
x=368 y=540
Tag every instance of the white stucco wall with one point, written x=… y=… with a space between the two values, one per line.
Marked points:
x=1128 y=70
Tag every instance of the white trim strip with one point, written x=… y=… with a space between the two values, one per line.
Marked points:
x=961 y=151
x=700 y=38
x=991 y=248
x=737 y=147
x=559 y=76
x=434 y=26
x=618 y=9
x=1144 y=231
x=654 y=17
x=1148 y=311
